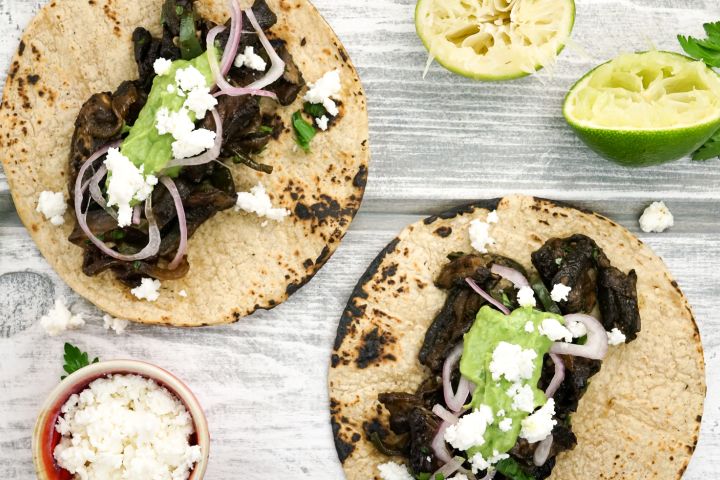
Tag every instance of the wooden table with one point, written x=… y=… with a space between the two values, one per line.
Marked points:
x=435 y=143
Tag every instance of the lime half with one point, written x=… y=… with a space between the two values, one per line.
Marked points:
x=494 y=39
x=645 y=108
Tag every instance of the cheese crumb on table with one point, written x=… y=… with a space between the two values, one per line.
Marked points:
x=656 y=218
x=147 y=290
x=118 y=325
x=53 y=206
x=59 y=319
x=257 y=201
x=126 y=426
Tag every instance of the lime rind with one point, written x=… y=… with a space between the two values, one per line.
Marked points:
x=494 y=39
x=645 y=108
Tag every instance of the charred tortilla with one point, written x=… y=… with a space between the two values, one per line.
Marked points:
x=75 y=48
x=641 y=414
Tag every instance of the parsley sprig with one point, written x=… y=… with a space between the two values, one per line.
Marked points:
x=707 y=50
x=304 y=131
x=75 y=359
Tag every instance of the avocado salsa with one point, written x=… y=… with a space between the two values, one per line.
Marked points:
x=503 y=406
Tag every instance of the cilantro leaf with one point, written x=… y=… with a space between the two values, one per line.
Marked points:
x=75 y=359
x=315 y=110
x=304 y=131
x=511 y=469
x=711 y=149
x=707 y=50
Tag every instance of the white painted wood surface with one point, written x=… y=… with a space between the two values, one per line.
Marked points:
x=435 y=143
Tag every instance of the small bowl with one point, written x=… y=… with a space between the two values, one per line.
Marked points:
x=45 y=437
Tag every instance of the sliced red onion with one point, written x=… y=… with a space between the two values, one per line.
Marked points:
x=182 y=223
x=96 y=193
x=542 y=451
x=490 y=474
x=448 y=417
x=511 y=275
x=278 y=66
x=487 y=296
x=452 y=466
x=207 y=156
x=597 y=342
x=153 y=233
x=231 y=47
x=136 y=215
x=439 y=446
x=455 y=401
x=225 y=87
x=558 y=377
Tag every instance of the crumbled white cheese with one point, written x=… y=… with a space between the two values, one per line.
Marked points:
x=52 y=205
x=258 y=201
x=560 y=292
x=656 y=218
x=322 y=122
x=529 y=327
x=615 y=337
x=199 y=101
x=480 y=238
x=394 y=471
x=126 y=426
x=526 y=297
x=162 y=66
x=182 y=293
x=479 y=464
x=60 y=319
x=522 y=396
x=127 y=184
x=177 y=124
x=554 y=330
x=459 y=476
x=190 y=78
x=492 y=217
x=170 y=88
x=539 y=425
x=578 y=329
x=251 y=60
x=505 y=425
x=118 y=325
x=147 y=290
x=469 y=430
x=193 y=143
x=500 y=413
x=512 y=362
x=325 y=90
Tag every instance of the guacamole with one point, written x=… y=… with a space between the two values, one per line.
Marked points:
x=490 y=328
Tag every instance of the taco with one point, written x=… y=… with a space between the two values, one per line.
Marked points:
x=181 y=162
x=516 y=339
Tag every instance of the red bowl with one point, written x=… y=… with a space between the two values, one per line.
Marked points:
x=46 y=438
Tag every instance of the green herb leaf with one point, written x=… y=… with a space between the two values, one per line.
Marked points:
x=265 y=129
x=543 y=294
x=707 y=50
x=315 y=110
x=188 y=41
x=75 y=359
x=711 y=149
x=511 y=469
x=304 y=131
